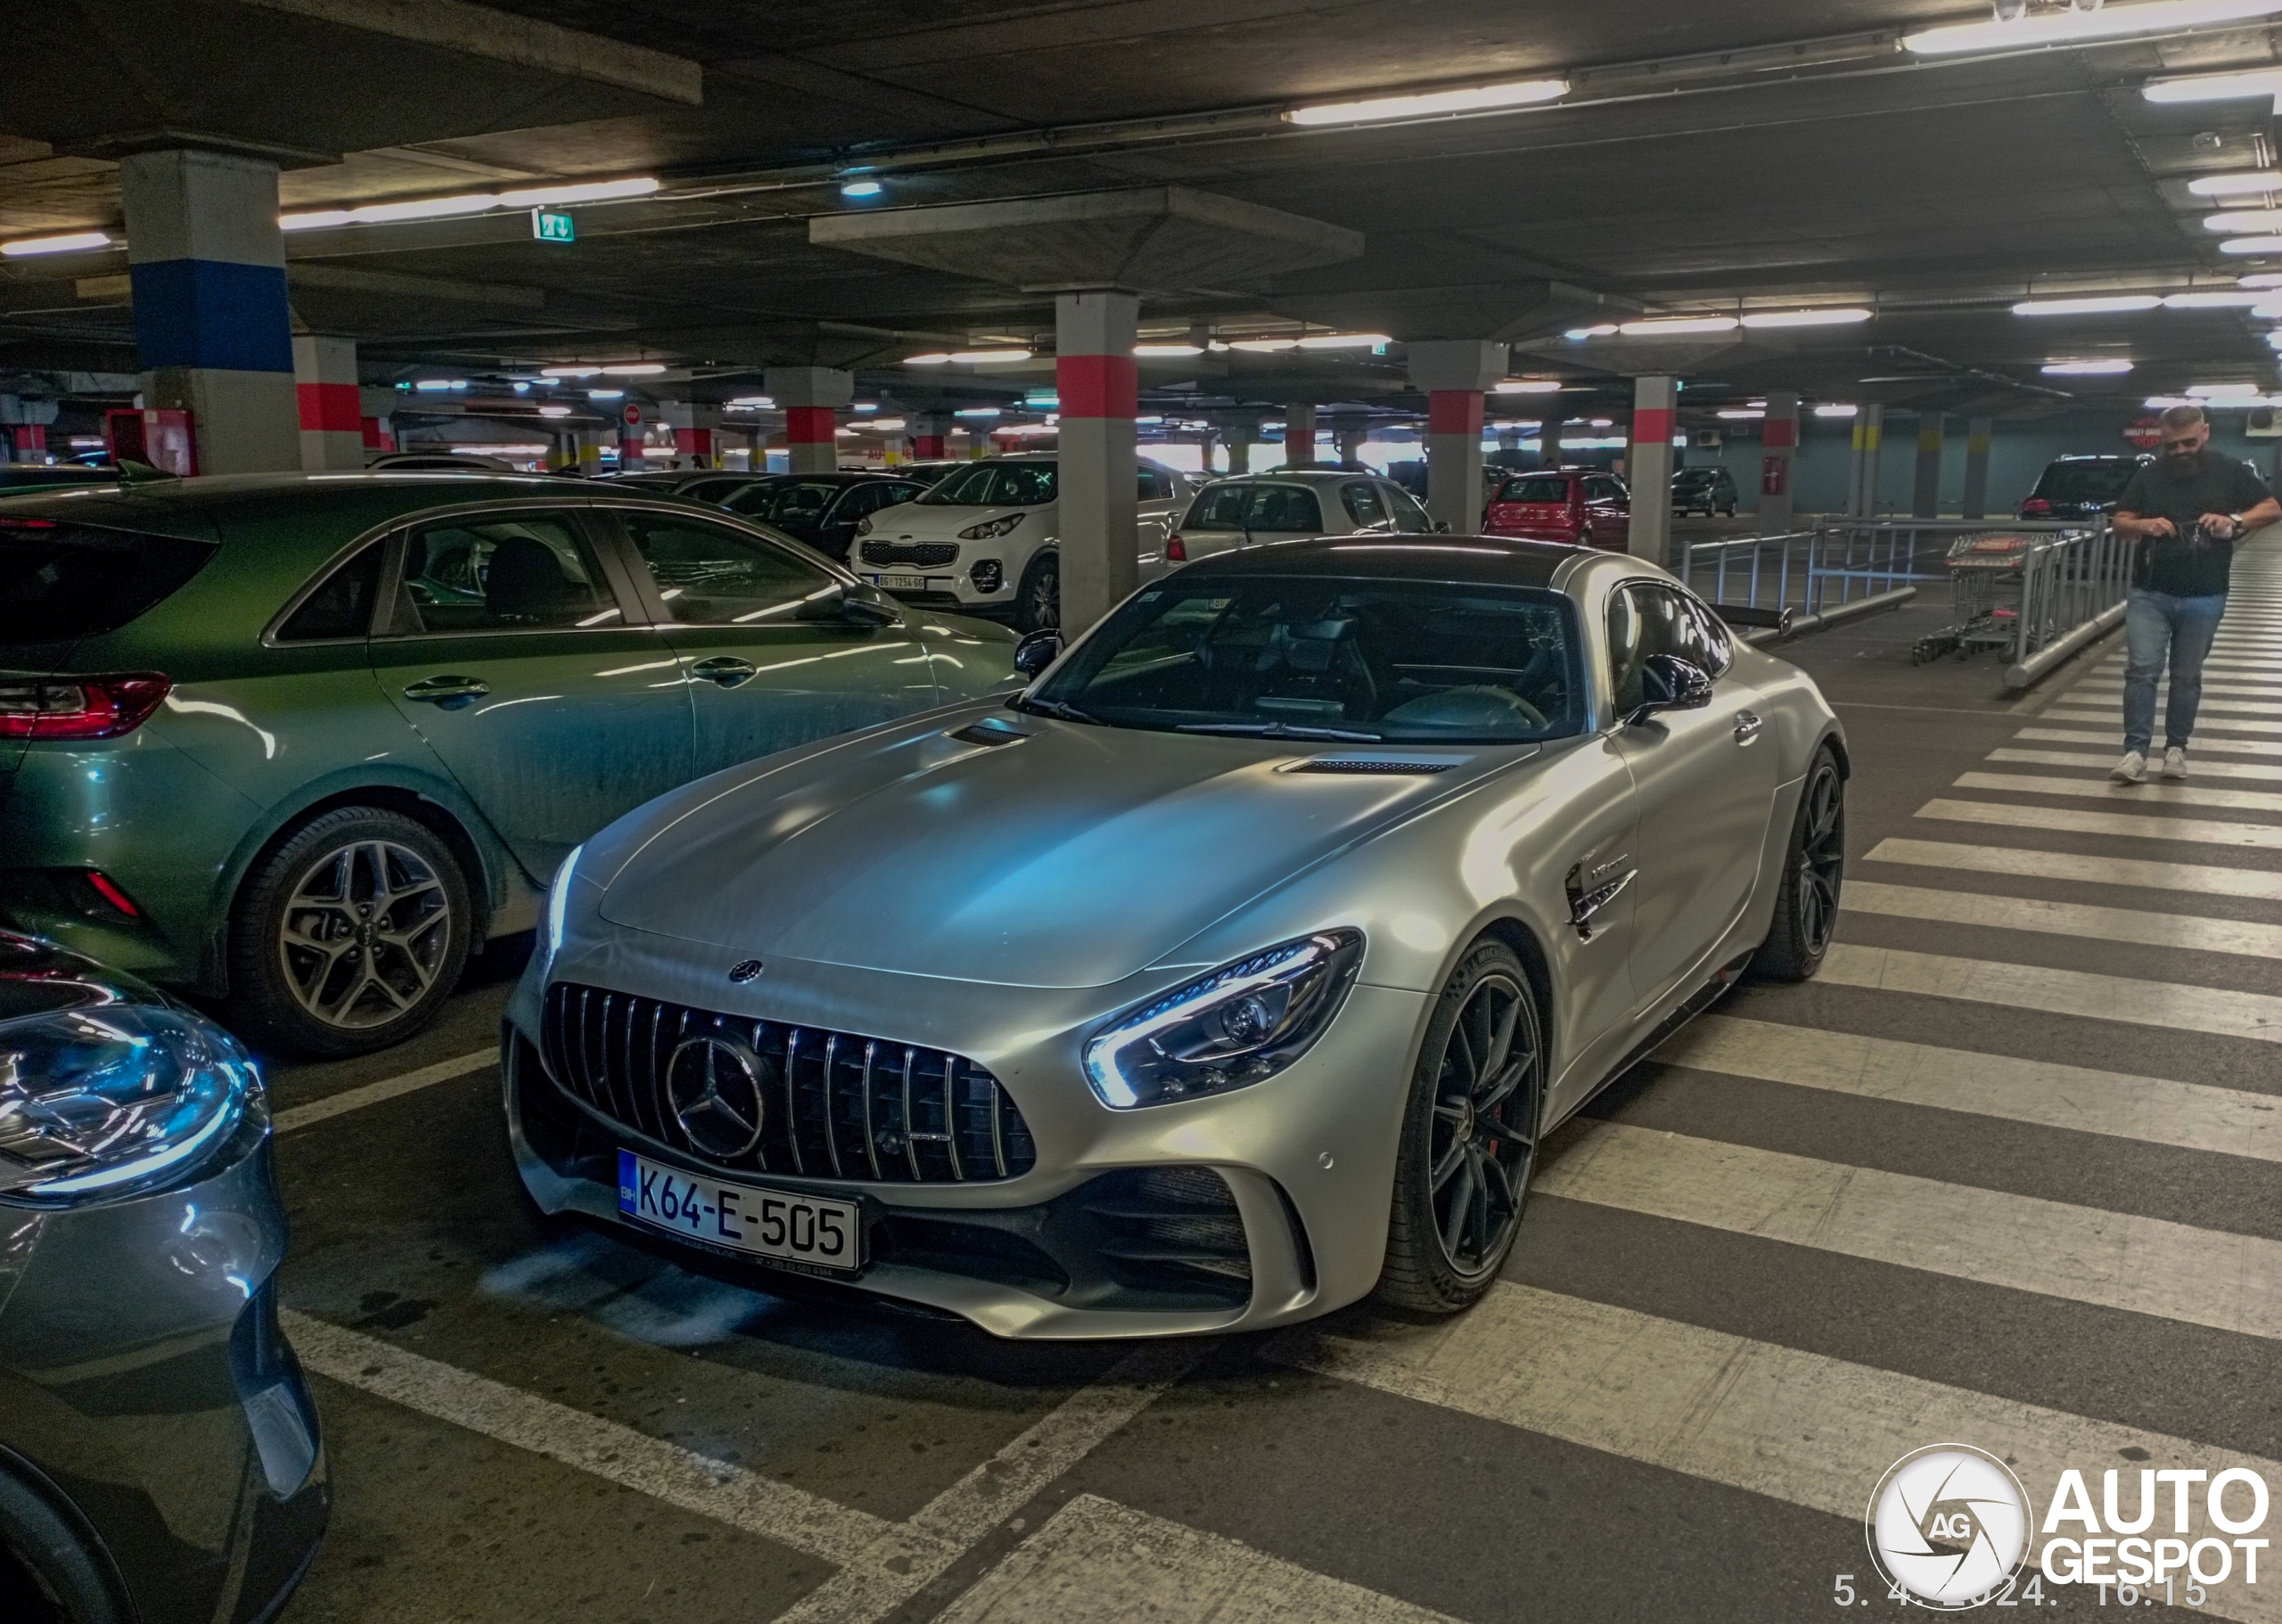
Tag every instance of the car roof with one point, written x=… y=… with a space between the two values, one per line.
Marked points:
x=1488 y=561
x=838 y=476
x=1297 y=476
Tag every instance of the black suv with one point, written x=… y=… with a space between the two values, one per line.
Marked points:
x=2080 y=487
x=1710 y=490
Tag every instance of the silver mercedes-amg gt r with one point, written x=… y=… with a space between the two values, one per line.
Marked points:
x=1233 y=971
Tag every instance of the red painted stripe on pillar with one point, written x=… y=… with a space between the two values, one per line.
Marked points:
x=1098 y=386
x=330 y=407
x=810 y=425
x=1653 y=424
x=693 y=442
x=1779 y=433
x=30 y=436
x=1454 y=412
x=927 y=446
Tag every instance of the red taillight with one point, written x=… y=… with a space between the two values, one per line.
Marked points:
x=81 y=707
x=26 y=524
x=1177 y=551
x=2035 y=505
x=108 y=889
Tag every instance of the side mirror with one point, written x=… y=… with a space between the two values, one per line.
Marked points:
x=1037 y=651
x=861 y=604
x=1441 y=527
x=1669 y=683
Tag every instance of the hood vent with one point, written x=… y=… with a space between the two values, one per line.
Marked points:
x=1370 y=766
x=990 y=731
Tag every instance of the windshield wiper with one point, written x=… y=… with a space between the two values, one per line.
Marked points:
x=1055 y=707
x=1282 y=730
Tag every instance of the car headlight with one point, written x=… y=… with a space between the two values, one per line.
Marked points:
x=100 y=1100
x=558 y=903
x=1239 y=1026
x=862 y=527
x=991 y=528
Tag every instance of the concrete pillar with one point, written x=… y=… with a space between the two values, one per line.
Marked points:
x=1099 y=385
x=211 y=324
x=1925 y=500
x=1648 y=464
x=1778 y=445
x=810 y=397
x=1350 y=441
x=696 y=428
x=332 y=410
x=1978 y=431
x=1300 y=432
x=1239 y=435
x=31 y=442
x=1862 y=486
x=1548 y=440
x=1455 y=374
x=928 y=432
x=590 y=451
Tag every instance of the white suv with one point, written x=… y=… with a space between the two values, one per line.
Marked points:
x=987 y=539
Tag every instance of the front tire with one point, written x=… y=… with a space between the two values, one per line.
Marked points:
x=1037 y=606
x=349 y=935
x=1814 y=870
x=1469 y=1138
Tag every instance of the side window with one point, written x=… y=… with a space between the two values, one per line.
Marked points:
x=526 y=572
x=1360 y=498
x=863 y=499
x=1284 y=507
x=1409 y=518
x=1221 y=508
x=342 y=607
x=707 y=490
x=709 y=576
x=1716 y=648
x=1645 y=620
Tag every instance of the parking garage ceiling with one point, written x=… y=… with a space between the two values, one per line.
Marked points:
x=1704 y=159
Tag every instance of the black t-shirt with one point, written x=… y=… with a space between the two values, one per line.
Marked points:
x=2181 y=565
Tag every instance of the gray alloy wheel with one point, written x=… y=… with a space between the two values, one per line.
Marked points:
x=1814 y=870
x=1037 y=606
x=351 y=934
x=1470 y=1137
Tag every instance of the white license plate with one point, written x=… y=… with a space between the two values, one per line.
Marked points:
x=901 y=583
x=799 y=1230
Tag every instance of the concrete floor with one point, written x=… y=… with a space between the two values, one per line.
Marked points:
x=1674 y=1405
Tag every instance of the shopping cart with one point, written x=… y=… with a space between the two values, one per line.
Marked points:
x=1985 y=577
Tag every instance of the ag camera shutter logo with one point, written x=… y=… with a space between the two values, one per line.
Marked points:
x=1949 y=1525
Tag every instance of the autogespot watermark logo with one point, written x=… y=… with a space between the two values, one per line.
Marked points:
x=1948 y=1525
x=1951 y=1528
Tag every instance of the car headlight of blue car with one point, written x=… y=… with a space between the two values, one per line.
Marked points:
x=102 y=1100
x=1239 y=1026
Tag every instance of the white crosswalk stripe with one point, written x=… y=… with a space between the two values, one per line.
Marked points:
x=2264 y=885
x=2223 y=744
x=2151 y=794
x=2203 y=723
x=2065 y=919
x=2128 y=827
x=2175 y=1006
x=2202 y=768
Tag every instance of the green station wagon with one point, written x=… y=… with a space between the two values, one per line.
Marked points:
x=304 y=742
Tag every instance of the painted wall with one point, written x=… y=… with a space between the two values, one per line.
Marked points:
x=2019 y=452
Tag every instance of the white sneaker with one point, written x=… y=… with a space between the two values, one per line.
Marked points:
x=2131 y=769
x=2175 y=762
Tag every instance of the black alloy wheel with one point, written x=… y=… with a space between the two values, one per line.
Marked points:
x=1814 y=871
x=1037 y=606
x=1470 y=1137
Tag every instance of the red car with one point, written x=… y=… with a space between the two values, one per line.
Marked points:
x=1576 y=505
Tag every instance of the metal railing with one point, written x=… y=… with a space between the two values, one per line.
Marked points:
x=2073 y=592
x=1815 y=573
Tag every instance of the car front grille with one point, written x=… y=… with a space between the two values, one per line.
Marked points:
x=837 y=1104
x=925 y=552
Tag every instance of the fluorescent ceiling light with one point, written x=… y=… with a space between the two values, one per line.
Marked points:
x=568 y=372
x=2231 y=298
x=70 y=242
x=976 y=411
x=554 y=411
x=2100 y=305
x=751 y=403
x=493 y=448
x=2163 y=403
x=1743 y=414
x=2085 y=369
x=1166 y=352
x=2074 y=27
x=967 y=357
x=1605 y=330
x=605 y=394
x=1265 y=345
x=1805 y=318
x=2243 y=219
x=2263 y=279
x=1345 y=341
x=433 y=385
x=1478 y=98
x=635 y=369
x=468 y=202
x=1526 y=386
x=933 y=357
x=861 y=188
x=2263 y=83
x=2252 y=245
x=2214 y=392
x=1835 y=410
x=866 y=405
x=2235 y=184
x=882 y=425
x=1662 y=326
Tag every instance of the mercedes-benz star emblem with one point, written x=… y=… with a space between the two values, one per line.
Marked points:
x=715 y=1085
x=744 y=971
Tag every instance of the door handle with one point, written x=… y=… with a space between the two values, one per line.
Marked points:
x=1747 y=726
x=448 y=693
x=726 y=669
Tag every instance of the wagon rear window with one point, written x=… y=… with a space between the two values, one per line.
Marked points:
x=60 y=581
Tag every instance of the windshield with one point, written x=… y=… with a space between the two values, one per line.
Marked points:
x=784 y=501
x=1331 y=658
x=994 y=484
x=1256 y=507
x=1545 y=488
x=2085 y=481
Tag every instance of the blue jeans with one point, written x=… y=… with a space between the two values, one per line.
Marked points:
x=2156 y=624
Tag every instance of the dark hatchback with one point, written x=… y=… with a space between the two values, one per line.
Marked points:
x=2080 y=487
x=160 y=1457
x=822 y=510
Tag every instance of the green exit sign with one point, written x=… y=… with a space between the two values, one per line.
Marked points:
x=552 y=227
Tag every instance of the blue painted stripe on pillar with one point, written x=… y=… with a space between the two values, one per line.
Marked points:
x=212 y=313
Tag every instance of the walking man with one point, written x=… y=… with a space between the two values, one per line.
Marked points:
x=2184 y=511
